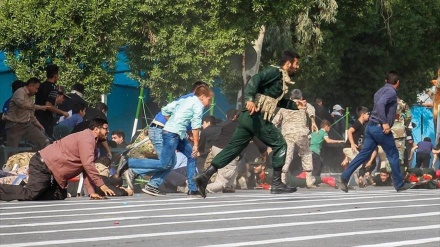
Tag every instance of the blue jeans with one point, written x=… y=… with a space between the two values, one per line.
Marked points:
x=185 y=147
x=155 y=135
x=374 y=136
x=161 y=167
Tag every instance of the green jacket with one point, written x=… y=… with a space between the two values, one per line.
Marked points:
x=268 y=82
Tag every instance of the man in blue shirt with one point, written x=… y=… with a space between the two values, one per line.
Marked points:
x=378 y=132
x=155 y=135
x=179 y=115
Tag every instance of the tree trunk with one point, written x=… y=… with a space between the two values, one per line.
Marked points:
x=247 y=74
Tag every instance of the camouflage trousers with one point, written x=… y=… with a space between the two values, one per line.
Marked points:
x=300 y=139
x=400 y=144
x=225 y=176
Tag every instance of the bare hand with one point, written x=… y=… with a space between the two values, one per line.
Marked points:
x=314 y=128
x=107 y=190
x=65 y=114
x=130 y=192
x=195 y=152
x=251 y=107
x=95 y=196
x=386 y=128
x=354 y=148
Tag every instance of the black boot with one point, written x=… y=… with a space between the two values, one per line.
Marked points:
x=279 y=187
x=202 y=180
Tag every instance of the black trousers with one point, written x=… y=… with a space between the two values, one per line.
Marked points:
x=40 y=186
x=422 y=160
x=317 y=164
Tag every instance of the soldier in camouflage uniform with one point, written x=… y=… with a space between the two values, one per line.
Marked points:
x=295 y=130
x=264 y=93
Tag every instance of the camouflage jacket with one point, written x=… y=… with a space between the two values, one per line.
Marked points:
x=403 y=118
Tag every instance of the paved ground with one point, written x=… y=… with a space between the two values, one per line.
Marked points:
x=320 y=217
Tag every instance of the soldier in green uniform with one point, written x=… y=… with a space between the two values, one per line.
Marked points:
x=263 y=94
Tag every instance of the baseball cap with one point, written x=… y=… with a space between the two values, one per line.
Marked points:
x=62 y=90
x=337 y=108
x=257 y=161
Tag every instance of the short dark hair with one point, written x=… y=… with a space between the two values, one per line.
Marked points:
x=198 y=84
x=97 y=123
x=427 y=139
x=210 y=119
x=101 y=106
x=119 y=133
x=17 y=84
x=103 y=160
x=383 y=170
x=32 y=80
x=288 y=56
x=325 y=123
x=78 y=106
x=78 y=87
x=392 y=77
x=361 y=110
x=52 y=70
x=203 y=90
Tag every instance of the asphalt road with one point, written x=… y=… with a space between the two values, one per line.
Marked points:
x=377 y=217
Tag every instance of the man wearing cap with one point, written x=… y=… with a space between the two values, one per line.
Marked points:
x=264 y=93
x=20 y=118
x=46 y=96
x=295 y=130
x=338 y=128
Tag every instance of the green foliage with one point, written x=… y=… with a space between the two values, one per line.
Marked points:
x=81 y=36
x=368 y=39
x=346 y=46
x=173 y=44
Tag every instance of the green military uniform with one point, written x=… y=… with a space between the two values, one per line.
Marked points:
x=267 y=90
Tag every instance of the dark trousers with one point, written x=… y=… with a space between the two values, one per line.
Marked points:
x=317 y=164
x=40 y=185
x=422 y=160
x=16 y=131
x=374 y=136
x=248 y=127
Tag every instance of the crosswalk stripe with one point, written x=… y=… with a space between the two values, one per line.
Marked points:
x=210 y=220
x=243 y=228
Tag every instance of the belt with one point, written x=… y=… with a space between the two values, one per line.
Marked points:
x=153 y=125
x=375 y=124
x=38 y=155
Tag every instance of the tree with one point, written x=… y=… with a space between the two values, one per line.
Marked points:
x=80 y=36
x=172 y=44
x=365 y=42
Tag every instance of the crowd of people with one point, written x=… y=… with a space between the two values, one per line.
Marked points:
x=274 y=143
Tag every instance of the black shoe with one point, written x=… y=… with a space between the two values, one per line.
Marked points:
x=201 y=183
x=152 y=191
x=202 y=180
x=129 y=176
x=193 y=193
x=406 y=186
x=228 y=189
x=282 y=189
x=279 y=187
x=122 y=166
x=343 y=185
